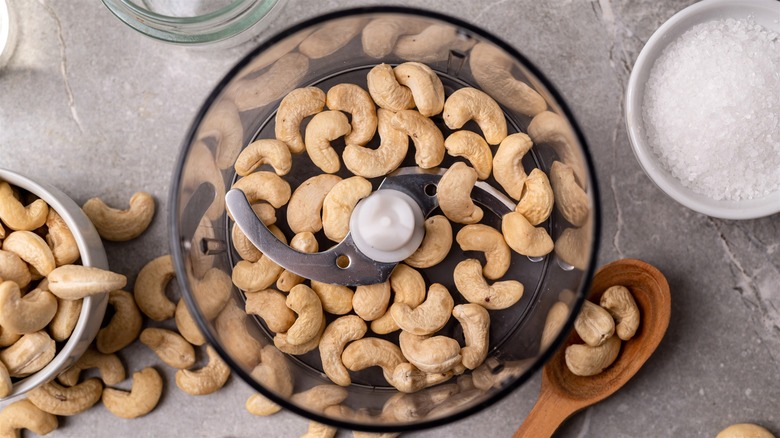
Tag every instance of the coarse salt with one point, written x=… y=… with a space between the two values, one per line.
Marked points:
x=711 y=109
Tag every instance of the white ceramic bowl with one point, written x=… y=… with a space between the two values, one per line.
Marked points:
x=763 y=12
x=92 y=254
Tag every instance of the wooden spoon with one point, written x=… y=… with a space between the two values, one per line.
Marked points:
x=562 y=393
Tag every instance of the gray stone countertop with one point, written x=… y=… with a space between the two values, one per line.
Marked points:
x=96 y=109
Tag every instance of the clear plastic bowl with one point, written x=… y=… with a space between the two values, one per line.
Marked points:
x=330 y=50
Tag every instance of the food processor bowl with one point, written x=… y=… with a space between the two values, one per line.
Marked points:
x=342 y=47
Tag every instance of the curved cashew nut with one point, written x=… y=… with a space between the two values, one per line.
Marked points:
x=256 y=276
x=65 y=319
x=29 y=354
x=336 y=336
x=428 y=139
x=380 y=35
x=488 y=240
x=331 y=37
x=124 y=327
x=232 y=329
x=537 y=200
x=426 y=87
x=427 y=318
x=273 y=373
x=270 y=305
x=319 y=430
x=60 y=239
x=523 y=237
x=25 y=415
x=8 y=338
x=31 y=248
x=432 y=44
x=371 y=163
x=281 y=77
x=13 y=268
x=280 y=342
x=744 y=430
x=370 y=301
x=26 y=314
x=556 y=318
x=303 y=213
x=454 y=194
x=187 y=325
x=60 y=400
x=212 y=292
x=16 y=215
x=205 y=380
x=475 y=289
x=169 y=346
x=320 y=397
x=303 y=301
x=407 y=378
x=338 y=205
x=617 y=300
x=492 y=68
x=121 y=225
x=475 y=321
x=264 y=151
x=303 y=242
x=142 y=398
x=335 y=299
x=471 y=104
x=508 y=163
x=72 y=282
x=594 y=324
x=411 y=407
x=246 y=249
x=408 y=286
x=584 y=360
x=570 y=199
x=437 y=354
x=435 y=245
x=149 y=290
x=386 y=91
x=223 y=123
x=296 y=106
x=573 y=245
x=264 y=186
x=549 y=128
x=111 y=369
x=370 y=352
x=323 y=128
x=473 y=147
x=351 y=98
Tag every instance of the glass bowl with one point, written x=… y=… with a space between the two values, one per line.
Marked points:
x=93 y=307
x=343 y=47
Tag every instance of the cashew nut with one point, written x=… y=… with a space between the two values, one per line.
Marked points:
x=256 y=276
x=386 y=91
x=523 y=237
x=303 y=242
x=408 y=286
x=142 y=398
x=508 y=163
x=437 y=354
x=31 y=248
x=471 y=104
x=570 y=199
x=65 y=319
x=431 y=45
x=26 y=314
x=435 y=245
x=61 y=400
x=320 y=397
x=411 y=407
x=488 y=240
x=280 y=342
x=273 y=373
x=296 y=106
x=303 y=213
x=336 y=336
x=407 y=378
x=352 y=99
x=427 y=318
x=8 y=338
x=202 y=171
x=169 y=346
x=573 y=245
x=426 y=87
x=551 y=129
x=121 y=225
x=264 y=186
x=212 y=292
x=323 y=128
x=537 y=200
x=111 y=369
x=380 y=35
x=245 y=248
x=72 y=282
x=17 y=216
x=492 y=69
x=473 y=147
x=494 y=373
x=232 y=329
x=617 y=300
x=186 y=325
x=744 y=430
x=556 y=318
x=472 y=285
x=303 y=301
x=369 y=352
x=223 y=123
x=338 y=205
x=319 y=430
x=371 y=163
x=594 y=324
x=330 y=37
x=475 y=321
x=370 y=301
x=270 y=55
x=428 y=139
x=281 y=77
x=124 y=327
x=60 y=239
x=454 y=194
x=149 y=290
x=335 y=299
x=205 y=380
x=12 y=268
x=29 y=354
x=6 y=385
x=264 y=151
x=584 y=360
x=25 y=415
x=270 y=306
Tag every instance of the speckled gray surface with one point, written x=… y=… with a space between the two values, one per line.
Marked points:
x=96 y=109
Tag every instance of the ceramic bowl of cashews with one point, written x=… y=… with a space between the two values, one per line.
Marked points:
x=373 y=215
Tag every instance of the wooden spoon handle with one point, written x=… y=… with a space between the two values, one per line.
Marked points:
x=547 y=415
